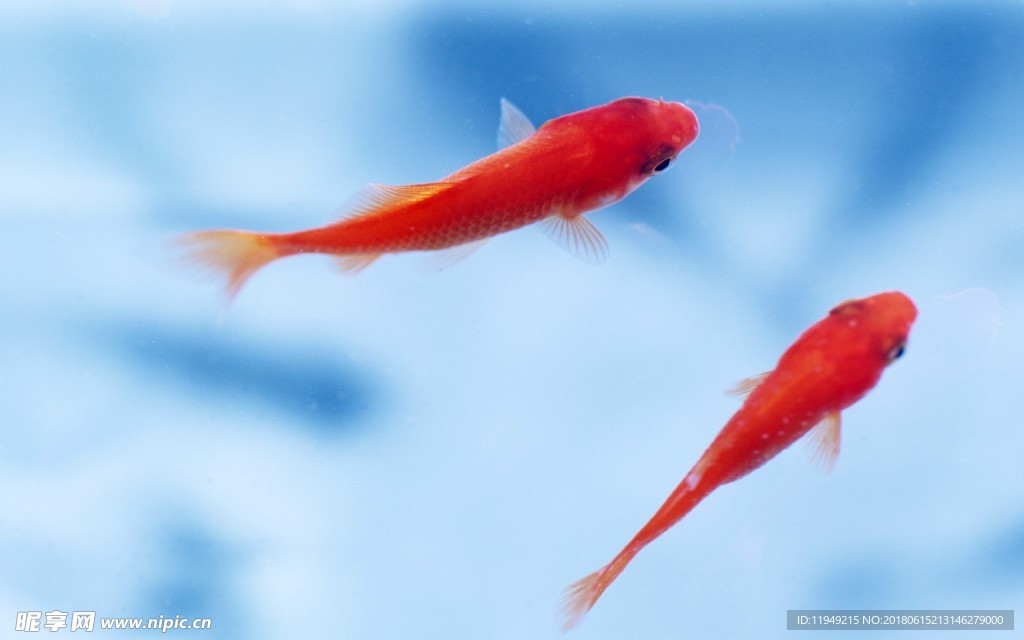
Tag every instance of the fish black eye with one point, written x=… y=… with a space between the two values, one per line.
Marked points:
x=896 y=352
x=661 y=166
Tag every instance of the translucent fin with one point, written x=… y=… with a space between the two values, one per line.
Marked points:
x=580 y=596
x=578 y=236
x=378 y=198
x=823 y=440
x=515 y=126
x=353 y=263
x=848 y=308
x=235 y=255
x=447 y=257
x=744 y=387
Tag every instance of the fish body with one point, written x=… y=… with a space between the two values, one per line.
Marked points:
x=828 y=368
x=571 y=165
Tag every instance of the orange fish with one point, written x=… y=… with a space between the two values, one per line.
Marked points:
x=572 y=164
x=831 y=366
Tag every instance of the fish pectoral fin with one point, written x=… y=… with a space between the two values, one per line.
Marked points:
x=578 y=236
x=744 y=387
x=351 y=264
x=514 y=127
x=823 y=440
x=375 y=199
x=445 y=258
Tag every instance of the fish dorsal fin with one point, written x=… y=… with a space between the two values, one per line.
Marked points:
x=744 y=387
x=823 y=440
x=514 y=127
x=375 y=199
x=578 y=236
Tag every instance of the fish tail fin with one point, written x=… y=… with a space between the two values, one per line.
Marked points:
x=581 y=595
x=235 y=255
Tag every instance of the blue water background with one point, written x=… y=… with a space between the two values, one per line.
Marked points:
x=415 y=453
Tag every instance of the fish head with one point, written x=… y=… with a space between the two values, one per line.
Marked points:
x=882 y=321
x=656 y=132
x=608 y=151
x=625 y=142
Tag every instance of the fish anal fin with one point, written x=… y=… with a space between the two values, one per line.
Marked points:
x=445 y=258
x=823 y=440
x=578 y=236
x=353 y=263
x=514 y=127
x=744 y=387
x=375 y=199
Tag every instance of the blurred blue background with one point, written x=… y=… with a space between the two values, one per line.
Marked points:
x=413 y=453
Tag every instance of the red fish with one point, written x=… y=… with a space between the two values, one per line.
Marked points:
x=829 y=367
x=572 y=164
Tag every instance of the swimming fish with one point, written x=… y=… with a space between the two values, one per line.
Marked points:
x=570 y=165
x=829 y=367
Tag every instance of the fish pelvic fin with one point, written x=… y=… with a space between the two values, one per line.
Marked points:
x=234 y=255
x=580 y=596
x=578 y=236
x=823 y=440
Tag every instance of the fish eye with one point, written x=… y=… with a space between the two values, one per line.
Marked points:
x=661 y=166
x=896 y=352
